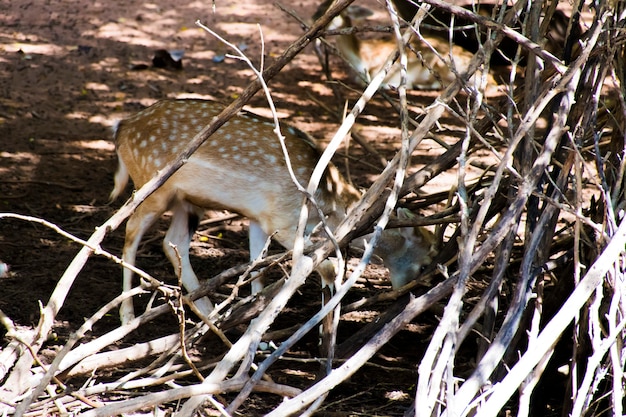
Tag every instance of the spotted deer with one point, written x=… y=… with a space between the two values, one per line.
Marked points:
x=240 y=168
x=426 y=70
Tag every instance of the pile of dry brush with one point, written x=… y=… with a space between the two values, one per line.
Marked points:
x=546 y=222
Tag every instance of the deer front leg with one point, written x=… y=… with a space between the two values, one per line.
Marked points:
x=257 y=238
x=185 y=220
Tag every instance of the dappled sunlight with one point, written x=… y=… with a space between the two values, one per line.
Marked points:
x=264 y=111
x=191 y=34
x=97 y=86
x=77 y=115
x=251 y=32
x=199 y=80
x=106 y=64
x=146 y=26
x=204 y=55
x=17 y=167
x=96 y=144
x=104 y=120
x=123 y=33
x=35 y=48
x=196 y=96
x=101 y=119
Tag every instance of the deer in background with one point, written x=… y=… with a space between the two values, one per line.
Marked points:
x=240 y=168
x=426 y=70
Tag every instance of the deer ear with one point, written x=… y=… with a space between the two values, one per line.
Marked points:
x=405 y=214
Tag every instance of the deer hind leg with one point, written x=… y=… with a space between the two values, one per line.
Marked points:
x=185 y=219
x=138 y=223
x=328 y=328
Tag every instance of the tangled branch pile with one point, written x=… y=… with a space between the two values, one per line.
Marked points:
x=538 y=242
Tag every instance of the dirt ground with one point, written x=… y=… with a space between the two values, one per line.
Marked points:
x=69 y=69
